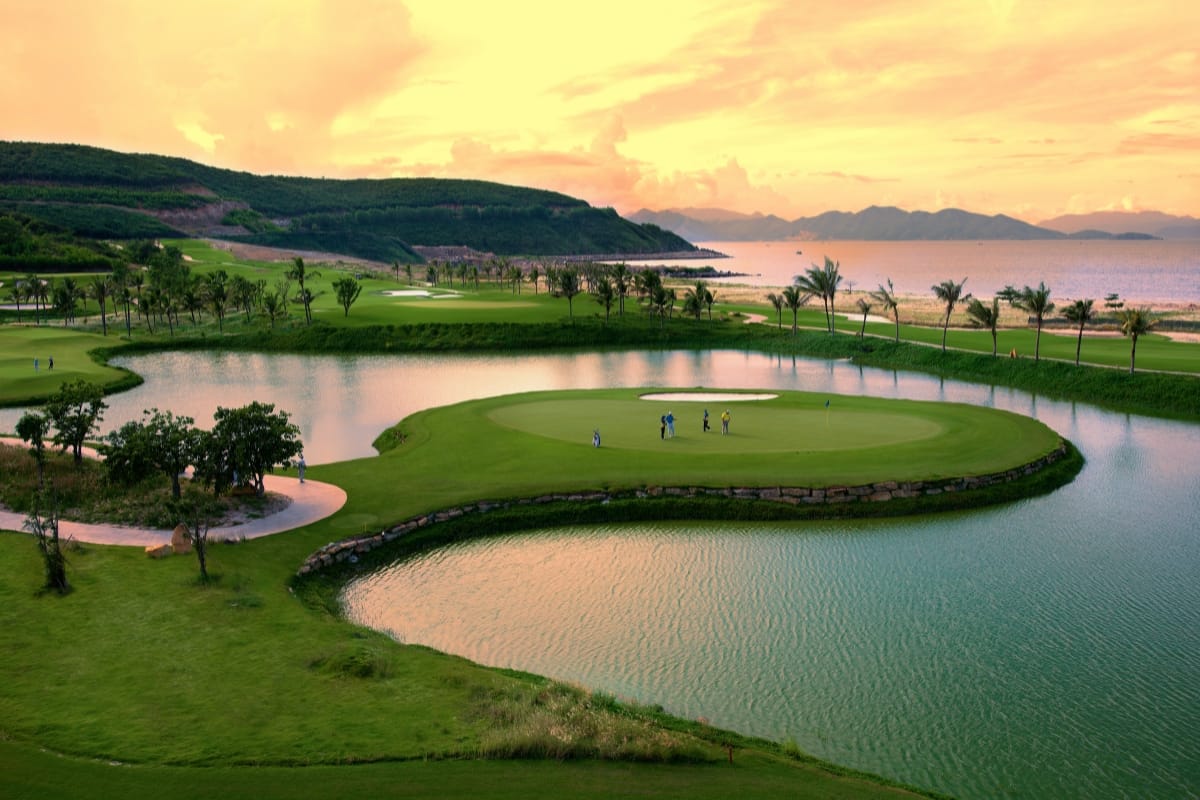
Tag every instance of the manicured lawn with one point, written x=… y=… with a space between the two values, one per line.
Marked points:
x=20 y=345
x=141 y=664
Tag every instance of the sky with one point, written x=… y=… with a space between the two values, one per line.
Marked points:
x=1031 y=109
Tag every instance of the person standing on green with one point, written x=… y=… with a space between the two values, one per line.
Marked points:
x=725 y=422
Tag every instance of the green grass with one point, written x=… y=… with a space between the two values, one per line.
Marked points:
x=71 y=350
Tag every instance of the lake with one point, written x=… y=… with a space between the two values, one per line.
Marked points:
x=1046 y=648
x=1140 y=271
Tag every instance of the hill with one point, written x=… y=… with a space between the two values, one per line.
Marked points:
x=100 y=193
x=877 y=223
x=1149 y=223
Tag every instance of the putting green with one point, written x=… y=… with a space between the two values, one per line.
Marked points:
x=530 y=443
x=755 y=427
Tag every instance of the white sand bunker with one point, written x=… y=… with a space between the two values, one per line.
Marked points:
x=706 y=397
x=419 y=293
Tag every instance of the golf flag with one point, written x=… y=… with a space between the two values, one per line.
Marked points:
x=827 y=404
x=826 y=413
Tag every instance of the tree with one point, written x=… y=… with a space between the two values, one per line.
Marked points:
x=622 y=281
x=568 y=287
x=101 y=289
x=1032 y=301
x=606 y=295
x=347 y=289
x=794 y=297
x=891 y=304
x=777 y=301
x=74 y=411
x=197 y=514
x=173 y=444
x=396 y=270
x=710 y=297
x=33 y=427
x=660 y=299
x=251 y=441
x=217 y=295
x=45 y=531
x=300 y=274
x=983 y=316
x=693 y=301
x=535 y=275
x=1135 y=322
x=864 y=307
x=951 y=294
x=823 y=282
x=1080 y=312
x=408 y=272
x=275 y=303
x=126 y=454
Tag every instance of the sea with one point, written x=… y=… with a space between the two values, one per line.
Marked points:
x=1156 y=271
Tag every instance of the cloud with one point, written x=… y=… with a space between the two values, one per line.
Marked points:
x=860 y=178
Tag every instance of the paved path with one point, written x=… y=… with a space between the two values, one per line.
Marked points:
x=311 y=501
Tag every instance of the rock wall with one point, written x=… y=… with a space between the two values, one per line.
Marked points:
x=350 y=549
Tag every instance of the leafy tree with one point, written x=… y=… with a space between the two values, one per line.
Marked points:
x=1135 y=322
x=891 y=304
x=777 y=301
x=126 y=452
x=74 y=411
x=1080 y=312
x=865 y=308
x=951 y=294
x=45 y=532
x=33 y=427
x=983 y=316
x=1033 y=301
x=794 y=297
x=252 y=441
x=173 y=443
x=347 y=289
x=568 y=287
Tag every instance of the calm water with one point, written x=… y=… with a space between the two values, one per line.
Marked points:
x=1140 y=271
x=1050 y=648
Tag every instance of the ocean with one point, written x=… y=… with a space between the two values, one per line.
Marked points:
x=1144 y=271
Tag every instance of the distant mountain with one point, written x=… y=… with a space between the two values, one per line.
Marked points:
x=102 y=194
x=877 y=223
x=1151 y=223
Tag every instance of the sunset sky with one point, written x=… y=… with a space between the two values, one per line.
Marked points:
x=793 y=108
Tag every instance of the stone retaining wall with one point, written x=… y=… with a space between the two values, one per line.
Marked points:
x=350 y=549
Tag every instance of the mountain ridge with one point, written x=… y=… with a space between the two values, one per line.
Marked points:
x=874 y=223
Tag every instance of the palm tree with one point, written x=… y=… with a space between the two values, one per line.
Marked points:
x=299 y=274
x=693 y=301
x=408 y=273
x=951 y=294
x=1080 y=311
x=983 y=316
x=864 y=307
x=16 y=293
x=622 y=281
x=1135 y=322
x=568 y=286
x=823 y=282
x=793 y=298
x=396 y=270
x=659 y=299
x=1032 y=301
x=101 y=289
x=777 y=301
x=605 y=293
x=534 y=275
x=887 y=298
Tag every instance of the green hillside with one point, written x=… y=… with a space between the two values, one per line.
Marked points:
x=104 y=194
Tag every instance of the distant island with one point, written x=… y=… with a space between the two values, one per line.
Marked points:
x=94 y=193
x=885 y=223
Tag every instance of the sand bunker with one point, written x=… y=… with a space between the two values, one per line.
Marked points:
x=420 y=293
x=707 y=397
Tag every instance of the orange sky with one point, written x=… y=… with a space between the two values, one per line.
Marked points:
x=996 y=106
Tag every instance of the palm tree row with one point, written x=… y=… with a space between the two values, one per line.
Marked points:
x=823 y=281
